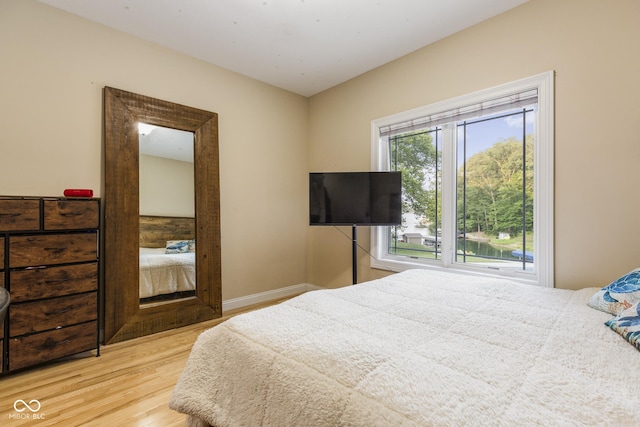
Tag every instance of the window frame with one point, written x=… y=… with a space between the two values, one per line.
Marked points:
x=543 y=234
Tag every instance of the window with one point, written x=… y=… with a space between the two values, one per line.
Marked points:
x=477 y=183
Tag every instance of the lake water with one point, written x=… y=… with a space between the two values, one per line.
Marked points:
x=477 y=248
x=485 y=249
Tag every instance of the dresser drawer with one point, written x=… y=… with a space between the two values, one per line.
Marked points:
x=1 y=253
x=47 y=282
x=19 y=215
x=45 y=346
x=53 y=313
x=70 y=214
x=46 y=249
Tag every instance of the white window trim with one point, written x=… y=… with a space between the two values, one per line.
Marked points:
x=543 y=185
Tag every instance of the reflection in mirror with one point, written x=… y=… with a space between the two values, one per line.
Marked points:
x=167 y=214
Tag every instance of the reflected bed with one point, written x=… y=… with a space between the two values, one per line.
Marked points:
x=162 y=273
x=166 y=276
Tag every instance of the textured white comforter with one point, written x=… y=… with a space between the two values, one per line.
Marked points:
x=416 y=348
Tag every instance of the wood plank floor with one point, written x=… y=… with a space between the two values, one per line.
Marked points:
x=128 y=385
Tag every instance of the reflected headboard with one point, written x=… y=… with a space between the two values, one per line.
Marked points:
x=156 y=230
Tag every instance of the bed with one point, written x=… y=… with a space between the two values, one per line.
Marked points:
x=167 y=258
x=417 y=348
x=162 y=273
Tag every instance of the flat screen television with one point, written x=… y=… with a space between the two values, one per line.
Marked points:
x=355 y=198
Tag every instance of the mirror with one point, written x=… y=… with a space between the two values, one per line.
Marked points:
x=167 y=214
x=124 y=316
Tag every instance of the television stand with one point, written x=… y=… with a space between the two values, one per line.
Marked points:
x=354 y=253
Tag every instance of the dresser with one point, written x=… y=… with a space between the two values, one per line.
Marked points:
x=49 y=248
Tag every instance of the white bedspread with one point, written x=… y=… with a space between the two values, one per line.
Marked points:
x=419 y=348
x=162 y=273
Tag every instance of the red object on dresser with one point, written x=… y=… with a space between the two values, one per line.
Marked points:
x=78 y=192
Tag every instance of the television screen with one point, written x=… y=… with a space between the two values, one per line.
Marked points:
x=355 y=198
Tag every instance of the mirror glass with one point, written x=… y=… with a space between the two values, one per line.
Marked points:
x=167 y=214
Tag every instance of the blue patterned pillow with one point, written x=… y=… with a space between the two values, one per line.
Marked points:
x=627 y=324
x=619 y=294
x=177 y=247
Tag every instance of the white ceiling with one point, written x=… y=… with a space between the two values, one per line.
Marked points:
x=164 y=142
x=304 y=46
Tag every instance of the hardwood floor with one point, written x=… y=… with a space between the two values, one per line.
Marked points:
x=128 y=385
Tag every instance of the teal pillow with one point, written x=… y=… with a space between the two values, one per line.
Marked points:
x=627 y=324
x=177 y=247
x=619 y=295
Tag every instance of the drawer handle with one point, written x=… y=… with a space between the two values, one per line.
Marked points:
x=55 y=282
x=10 y=214
x=63 y=311
x=71 y=214
x=49 y=343
x=49 y=282
x=58 y=249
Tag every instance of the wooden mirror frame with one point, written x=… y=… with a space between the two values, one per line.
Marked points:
x=124 y=317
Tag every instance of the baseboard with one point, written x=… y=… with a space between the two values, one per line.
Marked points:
x=258 y=298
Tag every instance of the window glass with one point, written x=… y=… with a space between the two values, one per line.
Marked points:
x=418 y=155
x=494 y=190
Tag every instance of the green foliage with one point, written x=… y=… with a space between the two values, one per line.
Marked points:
x=417 y=157
x=495 y=189
x=490 y=187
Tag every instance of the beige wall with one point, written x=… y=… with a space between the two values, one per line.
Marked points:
x=166 y=187
x=592 y=46
x=53 y=66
